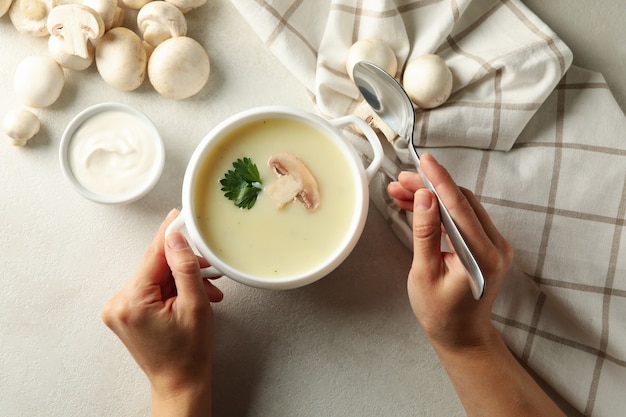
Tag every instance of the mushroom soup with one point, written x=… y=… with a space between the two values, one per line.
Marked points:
x=269 y=240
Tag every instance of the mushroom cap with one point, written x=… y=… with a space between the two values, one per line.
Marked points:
x=118 y=18
x=30 y=16
x=87 y=19
x=20 y=125
x=186 y=5
x=38 y=81
x=121 y=59
x=428 y=81
x=179 y=68
x=4 y=6
x=375 y=51
x=107 y=9
x=135 y=4
x=159 y=20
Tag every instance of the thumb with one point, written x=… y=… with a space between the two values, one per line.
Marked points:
x=426 y=234
x=185 y=267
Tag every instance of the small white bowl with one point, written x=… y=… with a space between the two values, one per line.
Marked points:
x=155 y=162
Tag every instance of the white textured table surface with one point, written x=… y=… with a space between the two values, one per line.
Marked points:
x=347 y=345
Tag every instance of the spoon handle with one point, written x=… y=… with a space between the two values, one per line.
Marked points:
x=475 y=275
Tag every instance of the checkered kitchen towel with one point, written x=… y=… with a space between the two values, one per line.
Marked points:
x=542 y=144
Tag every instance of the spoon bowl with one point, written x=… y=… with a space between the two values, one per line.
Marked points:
x=392 y=104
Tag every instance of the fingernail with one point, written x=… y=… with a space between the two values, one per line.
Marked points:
x=171 y=213
x=176 y=241
x=423 y=200
x=429 y=156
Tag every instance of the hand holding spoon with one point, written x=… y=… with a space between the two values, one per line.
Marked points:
x=392 y=104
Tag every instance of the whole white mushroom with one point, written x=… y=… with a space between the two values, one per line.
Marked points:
x=159 y=20
x=121 y=59
x=19 y=126
x=178 y=68
x=30 y=16
x=428 y=81
x=372 y=50
x=38 y=81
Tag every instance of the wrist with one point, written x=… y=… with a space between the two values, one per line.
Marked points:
x=491 y=382
x=489 y=342
x=189 y=401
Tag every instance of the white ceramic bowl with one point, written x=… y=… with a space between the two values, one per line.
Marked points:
x=153 y=161
x=362 y=176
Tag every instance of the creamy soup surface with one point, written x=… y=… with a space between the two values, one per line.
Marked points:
x=267 y=241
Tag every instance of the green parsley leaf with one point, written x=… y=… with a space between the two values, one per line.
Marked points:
x=243 y=183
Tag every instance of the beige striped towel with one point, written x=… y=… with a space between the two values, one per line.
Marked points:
x=541 y=143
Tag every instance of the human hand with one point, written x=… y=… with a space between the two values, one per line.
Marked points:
x=437 y=284
x=163 y=316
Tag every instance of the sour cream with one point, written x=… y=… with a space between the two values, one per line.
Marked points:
x=114 y=153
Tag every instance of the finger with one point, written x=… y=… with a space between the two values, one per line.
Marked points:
x=185 y=268
x=484 y=218
x=214 y=294
x=397 y=191
x=411 y=181
x=460 y=209
x=402 y=191
x=203 y=262
x=503 y=246
x=426 y=235
x=401 y=196
x=153 y=268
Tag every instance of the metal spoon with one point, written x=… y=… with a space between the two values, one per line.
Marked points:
x=392 y=104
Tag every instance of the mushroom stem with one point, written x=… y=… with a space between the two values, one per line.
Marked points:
x=75 y=42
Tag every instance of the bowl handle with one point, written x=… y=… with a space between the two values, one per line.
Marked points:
x=371 y=137
x=177 y=224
